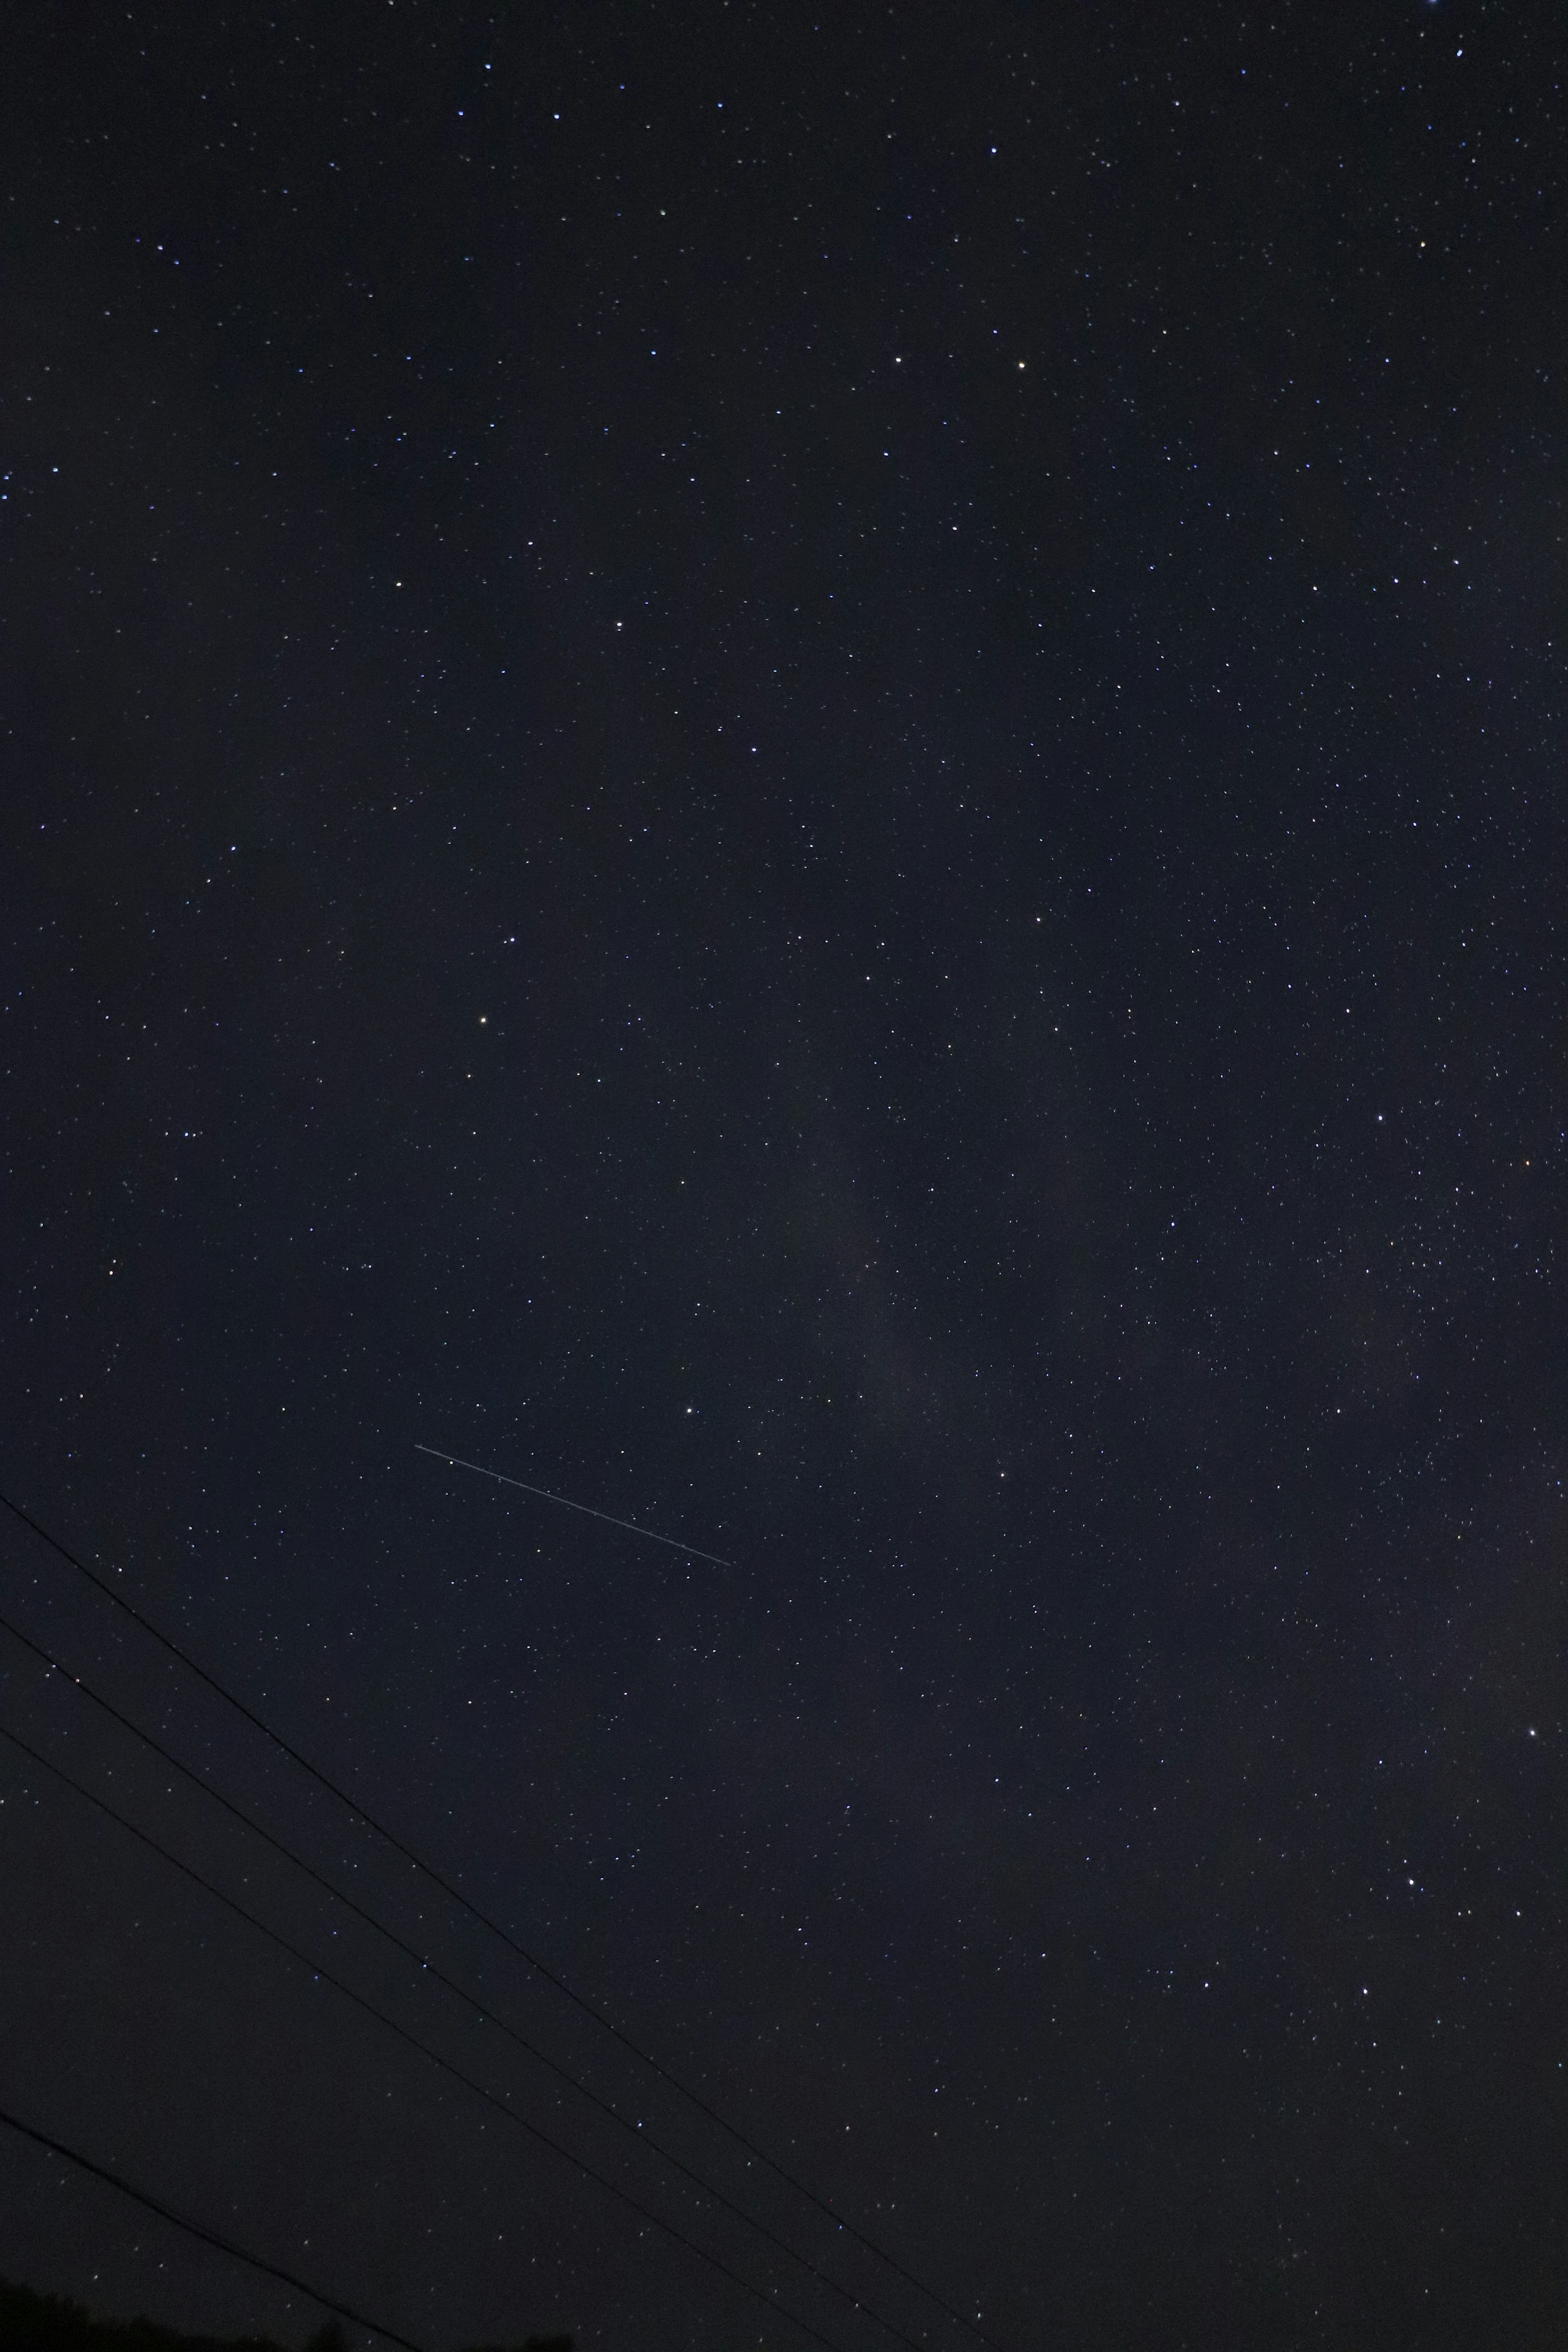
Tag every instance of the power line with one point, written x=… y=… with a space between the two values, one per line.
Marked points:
x=489 y=2016
x=199 y=2230
x=455 y=1894
x=403 y=2032
x=644 y=2212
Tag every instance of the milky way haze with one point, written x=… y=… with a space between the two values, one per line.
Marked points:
x=801 y=775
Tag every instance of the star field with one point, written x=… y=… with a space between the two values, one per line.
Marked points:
x=801 y=774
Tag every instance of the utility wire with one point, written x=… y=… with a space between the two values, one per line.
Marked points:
x=455 y=1894
x=503 y=2106
x=644 y=2212
x=199 y=2230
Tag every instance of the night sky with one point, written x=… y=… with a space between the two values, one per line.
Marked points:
x=805 y=777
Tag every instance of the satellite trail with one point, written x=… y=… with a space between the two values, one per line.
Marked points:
x=587 y=1509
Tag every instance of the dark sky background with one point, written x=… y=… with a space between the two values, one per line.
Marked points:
x=803 y=774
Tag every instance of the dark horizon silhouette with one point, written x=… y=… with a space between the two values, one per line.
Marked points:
x=31 y=2322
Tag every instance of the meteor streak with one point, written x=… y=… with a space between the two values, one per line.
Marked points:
x=587 y=1509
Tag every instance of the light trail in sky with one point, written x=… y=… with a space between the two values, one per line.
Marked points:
x=673 y=1543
